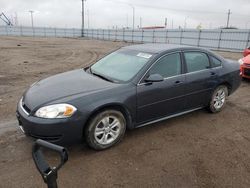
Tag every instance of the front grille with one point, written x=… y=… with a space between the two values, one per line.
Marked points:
x=246 y=72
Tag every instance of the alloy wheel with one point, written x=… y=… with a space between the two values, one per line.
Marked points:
x=107 y=130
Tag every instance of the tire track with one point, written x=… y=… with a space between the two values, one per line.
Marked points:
x=7 y=126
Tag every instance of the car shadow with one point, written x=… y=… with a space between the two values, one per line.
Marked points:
x=131 y=136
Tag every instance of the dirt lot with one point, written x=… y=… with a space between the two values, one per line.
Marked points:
x=195 y=150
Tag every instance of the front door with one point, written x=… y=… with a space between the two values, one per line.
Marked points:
x=159 y=99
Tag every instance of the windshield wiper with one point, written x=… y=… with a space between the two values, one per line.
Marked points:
x=103 y=77
x=90 y=70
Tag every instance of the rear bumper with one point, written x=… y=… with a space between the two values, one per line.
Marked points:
x=59 y=131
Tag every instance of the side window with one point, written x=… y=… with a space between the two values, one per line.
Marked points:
x=196 y=61
x=215 y=62
x=167 y=66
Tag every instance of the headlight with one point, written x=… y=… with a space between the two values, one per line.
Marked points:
x=56 y=111
x=241 y=61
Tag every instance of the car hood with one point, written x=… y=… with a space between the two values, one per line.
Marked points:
x=63 y=85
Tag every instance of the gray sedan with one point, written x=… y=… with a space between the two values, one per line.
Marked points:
x=134 y=86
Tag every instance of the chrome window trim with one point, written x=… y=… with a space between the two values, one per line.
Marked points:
x=139 y=83
x=203 y=70
x=21 y=106
x=188 y=73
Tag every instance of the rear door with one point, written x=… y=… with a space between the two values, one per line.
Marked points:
x=159 y=99
x=200 y=78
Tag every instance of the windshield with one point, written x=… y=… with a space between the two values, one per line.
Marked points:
x=121 y=65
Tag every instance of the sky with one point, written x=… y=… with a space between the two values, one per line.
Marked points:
x=105 y=14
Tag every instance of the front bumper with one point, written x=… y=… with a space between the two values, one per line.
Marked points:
x=59 y=131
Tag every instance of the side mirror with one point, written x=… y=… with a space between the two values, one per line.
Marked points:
x=154 y=78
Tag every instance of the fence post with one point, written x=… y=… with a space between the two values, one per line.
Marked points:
x=123 y=33
x=6 y=30
x=132 y=35
x=21 y=30
x=219 y=39
x=248 y=40
x=181 y=36
x=44 y=31
x=199 y=38
x=115 y=33
x=142 y=36
x=55 y=31
x=166 y=41
x=73 y=32
x=33 y=32
x=153 y=39
x=103 y=34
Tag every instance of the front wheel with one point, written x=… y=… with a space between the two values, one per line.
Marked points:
x=105 y=129
x=218 y=99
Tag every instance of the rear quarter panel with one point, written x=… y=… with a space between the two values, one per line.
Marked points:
x=231 y=74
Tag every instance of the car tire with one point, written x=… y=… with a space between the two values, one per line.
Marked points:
x=105 y=129
x=218 y=99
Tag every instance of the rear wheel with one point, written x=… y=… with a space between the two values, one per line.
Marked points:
x=105 y=129
x=218 y=99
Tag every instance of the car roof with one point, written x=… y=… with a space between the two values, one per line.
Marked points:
x=158 y=48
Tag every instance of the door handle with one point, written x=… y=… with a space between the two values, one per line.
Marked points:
x=212 y=73
x=178 y=82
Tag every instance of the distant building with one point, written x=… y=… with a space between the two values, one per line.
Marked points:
x=153 y=27
x=229 y=27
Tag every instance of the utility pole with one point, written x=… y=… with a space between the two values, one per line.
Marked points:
x=133 y=16
x=16 y=19
x=166 y=22
x=185 y=22
x=31 y=15
x=83 y=18
x=88 y=17
x=127 y=21
x=228 y=17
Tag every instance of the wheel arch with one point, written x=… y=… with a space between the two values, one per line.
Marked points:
x=115 y=106
x=227 y=84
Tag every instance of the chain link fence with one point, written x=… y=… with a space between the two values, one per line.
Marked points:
x=219 y=39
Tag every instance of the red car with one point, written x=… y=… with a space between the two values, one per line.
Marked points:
x=245 y=64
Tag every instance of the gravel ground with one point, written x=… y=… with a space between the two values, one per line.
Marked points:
x=195 y=150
